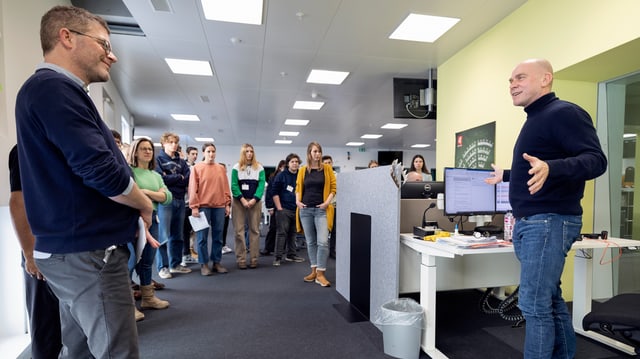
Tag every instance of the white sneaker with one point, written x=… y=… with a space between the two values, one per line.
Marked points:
x=164 y=273
x=188 y=259
x=180 y=269
x=226 y=250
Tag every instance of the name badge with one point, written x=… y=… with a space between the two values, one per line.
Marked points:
x=290 y=188
x=245 y=187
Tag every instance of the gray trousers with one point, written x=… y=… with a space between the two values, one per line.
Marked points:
x=285 y=232
x=96 y=305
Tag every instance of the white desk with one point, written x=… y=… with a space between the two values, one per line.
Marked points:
x=508 y=274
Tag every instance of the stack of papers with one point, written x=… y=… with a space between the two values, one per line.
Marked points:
x=469 y=241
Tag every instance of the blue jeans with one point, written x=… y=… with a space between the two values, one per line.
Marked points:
x=143 y=267
x=215 y=217
x=541 y=243
x=316 y=232
x=171 y=227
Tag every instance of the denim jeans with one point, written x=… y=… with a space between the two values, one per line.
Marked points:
x=143 y=267
x=171 y=226
x=541 y=243
x=215 y=217
x=316 y=232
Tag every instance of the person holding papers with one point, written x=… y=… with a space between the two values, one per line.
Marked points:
x=142 y=162
x=210 y=196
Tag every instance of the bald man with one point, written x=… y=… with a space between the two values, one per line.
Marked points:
x=557 y=150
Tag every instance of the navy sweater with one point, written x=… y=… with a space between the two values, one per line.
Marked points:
x=561 y=134
x=284 y=185
x=175 y=173
x=70 y=165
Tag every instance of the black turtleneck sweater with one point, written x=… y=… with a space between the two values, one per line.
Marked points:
x=561 y=134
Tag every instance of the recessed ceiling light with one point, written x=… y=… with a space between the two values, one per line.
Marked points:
x=182 y=117
x=354 y=144
x=629 y=135
x=327 y=77
x=189 y=67
x=139 y=137
x=157 y=144
x=283 y=142
x=394 y=126
x=423 y=28
x=241 y=11
x=420 y=145
x=288 y=133
x=308 y=105
x=204 y=139
x=370 y=136
x=295 y=122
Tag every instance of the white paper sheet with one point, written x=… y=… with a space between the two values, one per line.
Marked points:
x=199 y=223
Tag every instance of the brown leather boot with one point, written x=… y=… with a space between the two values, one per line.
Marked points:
x=149 y=299
x=312 y=276
x=321 y=279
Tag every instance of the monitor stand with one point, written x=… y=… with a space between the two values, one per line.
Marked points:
x=481 y=227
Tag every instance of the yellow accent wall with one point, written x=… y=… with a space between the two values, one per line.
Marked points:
x=574 y=35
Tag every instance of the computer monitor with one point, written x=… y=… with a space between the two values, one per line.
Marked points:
x=502 y=198
x=421 y=189
x=466 y=193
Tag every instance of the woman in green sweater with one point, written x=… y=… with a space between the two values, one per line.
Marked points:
x=142 y=162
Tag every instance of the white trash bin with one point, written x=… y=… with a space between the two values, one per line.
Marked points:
x=402 y=322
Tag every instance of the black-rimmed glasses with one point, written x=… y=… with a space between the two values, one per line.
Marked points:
x=106 y=45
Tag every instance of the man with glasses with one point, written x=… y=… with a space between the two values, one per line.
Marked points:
x=81 y=201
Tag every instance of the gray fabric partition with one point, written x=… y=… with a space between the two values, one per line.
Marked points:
x=370 y=192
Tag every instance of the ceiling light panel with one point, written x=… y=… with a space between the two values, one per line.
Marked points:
x=370 y=136
x=183 y=117
x=420 y=145
x=204 y=139
x=308 y=105
x=283 y=142
x=394 y=126
x=288 y=133
x=239 y=11
x=327 y=77
x=189 y=67
x=295 y=122
x=354 y=144
x=423 y=28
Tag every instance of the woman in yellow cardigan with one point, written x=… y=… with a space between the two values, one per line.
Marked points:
x=315 y=188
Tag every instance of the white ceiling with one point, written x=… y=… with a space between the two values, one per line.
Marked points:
x=257 y=79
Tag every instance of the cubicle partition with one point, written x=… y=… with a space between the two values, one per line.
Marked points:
x=367 y=266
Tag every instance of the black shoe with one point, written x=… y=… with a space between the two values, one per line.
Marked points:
x=294 y=258
x=265 y=252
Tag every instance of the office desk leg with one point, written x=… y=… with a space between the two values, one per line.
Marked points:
x=428 y=302
x=582 y=286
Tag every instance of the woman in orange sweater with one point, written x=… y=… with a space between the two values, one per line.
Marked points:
x=210 y=195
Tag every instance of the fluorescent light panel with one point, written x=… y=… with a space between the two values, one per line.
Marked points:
x=283 y=142
x=295 y=122
x=240 y=11
x=423 y=28
x=327 y=77
x=420 y=145
x=354 y=144
x=139 y=137
x=204 y=139
x=183 y=117
x=288 y=133
x=308 y=105
x=189 y=67
x=370 y=136
x=629 y=135
x=394 y=126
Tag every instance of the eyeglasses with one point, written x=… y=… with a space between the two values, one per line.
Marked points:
x=106 y=45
